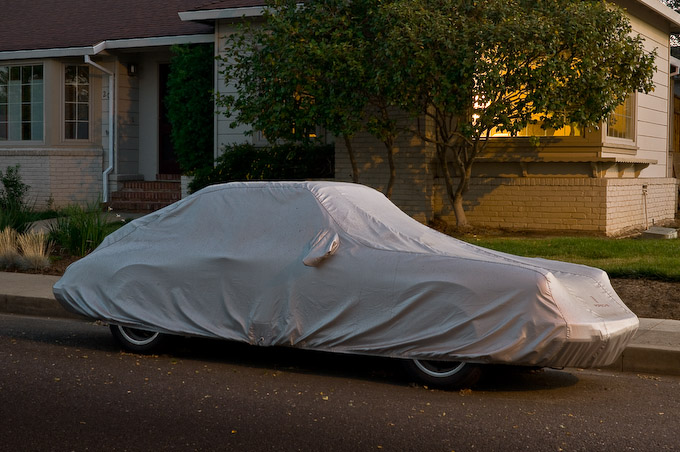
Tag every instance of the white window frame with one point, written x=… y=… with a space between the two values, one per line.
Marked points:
x=76 y=104
x=634 y=121
x=37 y=99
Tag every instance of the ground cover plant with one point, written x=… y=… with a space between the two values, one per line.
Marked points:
x=620 y=258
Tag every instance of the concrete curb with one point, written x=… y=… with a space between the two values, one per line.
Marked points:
x=34 y=307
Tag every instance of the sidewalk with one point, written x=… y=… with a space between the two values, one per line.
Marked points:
x=654 y=349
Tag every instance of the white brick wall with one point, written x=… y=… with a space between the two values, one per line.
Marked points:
x=62 y=176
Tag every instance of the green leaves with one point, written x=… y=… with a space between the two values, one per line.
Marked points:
x=189 y=105
x=467 y=66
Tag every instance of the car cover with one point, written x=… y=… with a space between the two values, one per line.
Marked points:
x=337 y=267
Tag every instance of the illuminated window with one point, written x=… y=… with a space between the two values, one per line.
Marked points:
x=621 y=123
x=535 y=130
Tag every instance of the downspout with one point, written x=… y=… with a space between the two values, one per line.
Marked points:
x=112 y=128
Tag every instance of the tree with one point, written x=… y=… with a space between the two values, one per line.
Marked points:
x=460 y=68
x=471 y=66
x=189 y=105
x=312 y=65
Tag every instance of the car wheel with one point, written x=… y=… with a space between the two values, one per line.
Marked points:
x=444 y=374
x=136 y=340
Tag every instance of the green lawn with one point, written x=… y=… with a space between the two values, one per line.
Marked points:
x=621 y=258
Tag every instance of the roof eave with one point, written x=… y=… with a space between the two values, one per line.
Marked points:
x=224 y=13
x=106 y=45
x=664 y=12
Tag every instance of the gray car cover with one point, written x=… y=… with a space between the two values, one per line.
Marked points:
x=337 y=267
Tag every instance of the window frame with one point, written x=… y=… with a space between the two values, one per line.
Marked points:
x=36 y=127
x=606 y=138
x=76 y=103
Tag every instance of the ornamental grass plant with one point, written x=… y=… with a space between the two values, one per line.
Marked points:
x=9 y=252
x=35 y=250
x=26 y=251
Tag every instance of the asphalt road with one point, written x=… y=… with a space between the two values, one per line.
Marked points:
x=64 y=385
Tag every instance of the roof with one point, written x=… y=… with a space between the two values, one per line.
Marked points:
x=60 y=24
x=223 y=9
x=661 y=11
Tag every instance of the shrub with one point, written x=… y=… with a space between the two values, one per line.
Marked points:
x=14 y=209
x=242 y=162
x=13 y=190
x=189 y=105
x=80 y=230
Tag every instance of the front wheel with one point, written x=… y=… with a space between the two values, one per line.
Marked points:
x=443 y=374
x=136 y=340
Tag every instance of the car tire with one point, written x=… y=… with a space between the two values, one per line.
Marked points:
x=443 y=374
x=137 y=340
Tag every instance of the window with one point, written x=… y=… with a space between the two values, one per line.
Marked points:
x=535 y=130
x=621 y=123
x=77 y=102
x=21 y=103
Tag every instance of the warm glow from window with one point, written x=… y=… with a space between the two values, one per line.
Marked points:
x=535 y=130
x=621 y=123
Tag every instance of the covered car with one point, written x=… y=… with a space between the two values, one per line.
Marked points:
x=337 y=267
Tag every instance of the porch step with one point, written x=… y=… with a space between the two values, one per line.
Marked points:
x=172 y=177
x=145 y=196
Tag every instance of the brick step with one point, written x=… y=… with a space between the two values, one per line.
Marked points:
x=136 y=206
x=140 y=185
x=170 y=177
x=145 y=196
x=171 y=196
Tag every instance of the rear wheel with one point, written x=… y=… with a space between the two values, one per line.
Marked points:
x=137 y=340
x=443 y=374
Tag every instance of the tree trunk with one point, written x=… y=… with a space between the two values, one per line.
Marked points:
x=352 y=159
x=455 y=195
x=461 y=218
x=389 y=144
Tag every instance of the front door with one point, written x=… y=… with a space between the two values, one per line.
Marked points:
x=167 y=161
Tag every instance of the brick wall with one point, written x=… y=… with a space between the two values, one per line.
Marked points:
x=57 y=175
x=594 y=205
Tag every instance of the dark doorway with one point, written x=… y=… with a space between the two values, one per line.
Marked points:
x=167 y=161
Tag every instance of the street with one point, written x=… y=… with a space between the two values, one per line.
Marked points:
x=64 y=385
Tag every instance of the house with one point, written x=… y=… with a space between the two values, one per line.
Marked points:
x=608 y=180
x=81 y=85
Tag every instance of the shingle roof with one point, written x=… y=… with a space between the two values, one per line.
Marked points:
x=49 y=24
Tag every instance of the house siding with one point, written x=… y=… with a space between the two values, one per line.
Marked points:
x=225 y=134
x=652 y=108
